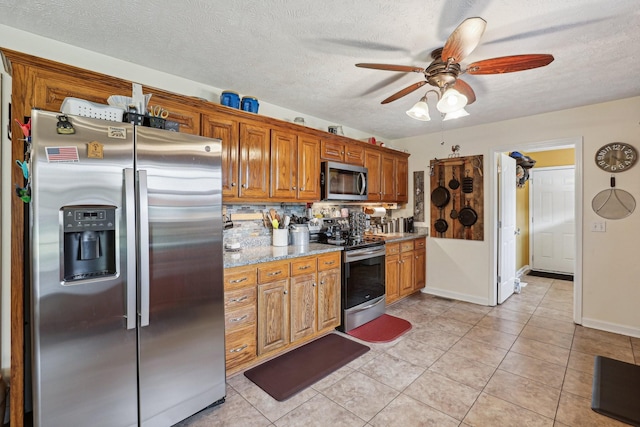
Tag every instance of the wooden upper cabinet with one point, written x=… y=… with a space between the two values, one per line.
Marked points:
x=284 y=164
x=373 y=162
x=332 y=150
x=254 y=161
x=388 y=178
x=308 y=168
x=188 y=117
x=341 y=151
x=218 y=126
x=402 y=179
x=354 y=154
x=51 y=88
x=295 y=166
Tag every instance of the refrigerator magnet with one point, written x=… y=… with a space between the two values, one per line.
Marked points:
x=117 y=132
x=95 y=150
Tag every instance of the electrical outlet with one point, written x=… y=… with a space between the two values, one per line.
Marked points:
x=599 y=227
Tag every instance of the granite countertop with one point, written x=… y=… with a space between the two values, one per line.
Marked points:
x=399 y=237
x=259 y=254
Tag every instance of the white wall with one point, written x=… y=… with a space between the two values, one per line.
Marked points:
x=611 y=271
x=21 y=41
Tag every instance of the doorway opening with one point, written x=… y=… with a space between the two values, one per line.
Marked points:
x=552 y=145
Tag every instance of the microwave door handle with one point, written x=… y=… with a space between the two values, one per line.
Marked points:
x=363 y=187
x=144 y=247
x=130 y=213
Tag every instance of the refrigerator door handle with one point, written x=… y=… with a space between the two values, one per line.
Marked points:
x=143 y=229
x=130 y=214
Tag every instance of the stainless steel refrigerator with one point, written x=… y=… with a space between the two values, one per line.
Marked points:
x=126 y=276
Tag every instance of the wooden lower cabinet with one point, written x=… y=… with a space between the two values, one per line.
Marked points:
x=240 y=316
x=405 y=268
x=273 y=316
x=329 y=286
x=392 y=272
x=420 y=266
x=275 y=305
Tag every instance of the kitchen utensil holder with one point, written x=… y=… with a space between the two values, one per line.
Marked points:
x=280 y=237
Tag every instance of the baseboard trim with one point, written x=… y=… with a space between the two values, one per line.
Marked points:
x=455 y=295
x=611 y=327
x=523 y=271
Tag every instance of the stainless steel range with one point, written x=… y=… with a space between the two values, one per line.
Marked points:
x=363 y=271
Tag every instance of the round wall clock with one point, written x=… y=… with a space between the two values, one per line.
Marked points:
x=616 y=157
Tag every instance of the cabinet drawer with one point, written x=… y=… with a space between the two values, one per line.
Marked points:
x=237 y=319
x=239 y=277
x=393 y=248
x=406 y=246
x=354 y=155
x=303 y=266
x=241 y=346
x=329 y=261
x=239 y=298
x=420 y=243
x=272 y=272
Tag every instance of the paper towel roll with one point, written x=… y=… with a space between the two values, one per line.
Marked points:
x=375 y=212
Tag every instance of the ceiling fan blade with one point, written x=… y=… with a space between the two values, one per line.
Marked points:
x=509 y=64
x=407 y=90
x=390 y=67
x=463 y=40
x=464 y=88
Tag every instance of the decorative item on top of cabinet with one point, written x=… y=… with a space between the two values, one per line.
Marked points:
x=468 y=220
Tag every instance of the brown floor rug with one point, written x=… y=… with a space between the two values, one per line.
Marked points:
x=381 y=329
x=616 y=390
x=296 y=370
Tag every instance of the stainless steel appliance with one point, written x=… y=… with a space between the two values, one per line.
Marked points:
x=340 y=181
x=363 y=270
x=363 y=283
x=126 y=294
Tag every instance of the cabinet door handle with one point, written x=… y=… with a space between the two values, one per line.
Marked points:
x=329 y=262
x=286 y=292
x=239 y=319
x=239 y=349
x=242 y=298
x=233 y=184
x=301 y=188
x=293 y=188
x=244 y=279
x=322 y=282
x=313 y=284
x=275 y=273
x=304 y=267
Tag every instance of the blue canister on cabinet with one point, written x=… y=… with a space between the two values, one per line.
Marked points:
x=250 y=104
x=230 y=99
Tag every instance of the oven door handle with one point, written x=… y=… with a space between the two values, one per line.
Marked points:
x=372 y=305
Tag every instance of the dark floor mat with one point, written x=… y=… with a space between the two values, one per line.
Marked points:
x=296 y=370
x=548 y=275
x=616 y=390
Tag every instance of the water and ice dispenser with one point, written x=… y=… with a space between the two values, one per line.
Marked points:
x=89 y=242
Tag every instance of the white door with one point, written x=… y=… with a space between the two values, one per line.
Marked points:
x=506 y=226
x=553 y=239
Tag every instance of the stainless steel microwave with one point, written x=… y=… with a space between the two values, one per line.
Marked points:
x=340 y=181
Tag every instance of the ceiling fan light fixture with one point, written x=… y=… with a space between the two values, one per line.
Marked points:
x=420 y=110
x=451 y=101
x=455 y=114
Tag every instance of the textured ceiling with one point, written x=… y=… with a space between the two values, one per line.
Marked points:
x=301 y=54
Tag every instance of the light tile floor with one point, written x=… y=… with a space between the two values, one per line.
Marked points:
x=523 y=363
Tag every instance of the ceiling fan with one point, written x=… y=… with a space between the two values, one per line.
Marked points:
x=445 y=69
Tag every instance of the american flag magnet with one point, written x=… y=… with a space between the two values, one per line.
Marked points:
x=62 y=154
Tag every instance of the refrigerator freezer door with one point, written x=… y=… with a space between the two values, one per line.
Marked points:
x=182 y=366
x=84 y=357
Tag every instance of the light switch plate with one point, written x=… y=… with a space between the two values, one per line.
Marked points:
x=599 y=227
